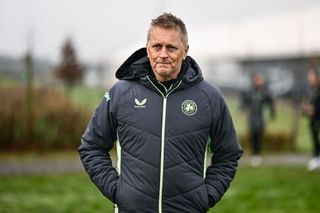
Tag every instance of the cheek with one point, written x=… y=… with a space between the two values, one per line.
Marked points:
x=151 y=58
x=174 y=58
x=150 y=55
x=177 y=59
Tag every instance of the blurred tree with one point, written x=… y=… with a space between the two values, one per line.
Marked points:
x=29 y=88
x=69 y=69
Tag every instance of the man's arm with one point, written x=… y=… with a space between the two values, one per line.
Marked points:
x=244 y=100
x=96 y=142
x=226 y=153
x=270 y=102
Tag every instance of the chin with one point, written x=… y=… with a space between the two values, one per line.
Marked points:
x=163 y=71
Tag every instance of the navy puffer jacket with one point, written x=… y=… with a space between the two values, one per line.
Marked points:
x=162 y=138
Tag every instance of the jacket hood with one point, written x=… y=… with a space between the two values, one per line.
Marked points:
x=138 y=66
x=128 y=69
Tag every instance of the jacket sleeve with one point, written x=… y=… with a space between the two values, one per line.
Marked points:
x=226 y=153
x=96 y=143
x=244 y=100
x=269 y=100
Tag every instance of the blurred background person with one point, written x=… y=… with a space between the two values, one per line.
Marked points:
x=253 y=102
x=311 y=107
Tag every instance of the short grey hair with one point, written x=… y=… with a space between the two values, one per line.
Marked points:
x=170 y=21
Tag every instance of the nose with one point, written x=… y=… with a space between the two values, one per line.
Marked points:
x=163 y=53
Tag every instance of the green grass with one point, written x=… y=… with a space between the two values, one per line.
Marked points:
x=88 y=97
x=265 y=189
x=6 y=81
x=272 y=189
x=51 y=193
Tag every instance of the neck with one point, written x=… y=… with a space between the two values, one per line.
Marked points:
x=164 y=78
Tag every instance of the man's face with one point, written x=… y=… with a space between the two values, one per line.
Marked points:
x=166 y=50
x=312 y=79
x=257 y=80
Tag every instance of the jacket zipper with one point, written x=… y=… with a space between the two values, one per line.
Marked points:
x=163 y=128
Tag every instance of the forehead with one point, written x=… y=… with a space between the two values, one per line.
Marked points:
x=170 y=35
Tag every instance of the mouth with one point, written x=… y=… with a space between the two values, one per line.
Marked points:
x=164 y=64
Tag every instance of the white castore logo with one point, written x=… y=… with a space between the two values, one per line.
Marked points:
x=107 y=96
x=189 y=107
x=140 y=104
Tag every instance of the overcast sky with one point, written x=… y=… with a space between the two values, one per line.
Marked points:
x=99 y=27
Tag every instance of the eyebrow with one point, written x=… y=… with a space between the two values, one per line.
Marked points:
x=172 y=46
x=168 y=45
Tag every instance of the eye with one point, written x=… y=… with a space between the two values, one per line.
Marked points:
x=171 y=48
x=157 y=47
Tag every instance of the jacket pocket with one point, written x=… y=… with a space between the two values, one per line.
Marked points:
x=130 y=199
x=206 y=202
x=199 y=199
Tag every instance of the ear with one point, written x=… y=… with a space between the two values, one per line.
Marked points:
x=186 y=52
x=147 y=49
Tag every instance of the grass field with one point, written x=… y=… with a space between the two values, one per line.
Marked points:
x=265 y=189
x=272 y=190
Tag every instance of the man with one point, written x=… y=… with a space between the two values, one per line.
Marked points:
x=253 y=101
x=312 y=109
x=161 y=113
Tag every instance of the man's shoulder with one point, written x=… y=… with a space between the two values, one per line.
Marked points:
x=119 y=88
x=209 y=88
x=122 y=85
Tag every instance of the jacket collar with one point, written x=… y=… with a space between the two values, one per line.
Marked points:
x=137 y=67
